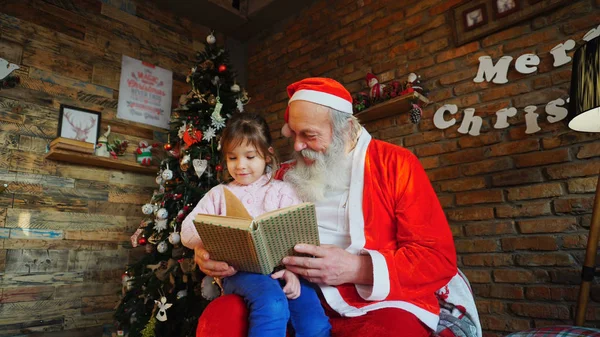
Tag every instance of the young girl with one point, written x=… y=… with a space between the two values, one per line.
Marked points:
x=249 y=159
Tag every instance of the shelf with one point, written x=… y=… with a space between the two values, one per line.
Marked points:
x=93 y=160
x=390 y=107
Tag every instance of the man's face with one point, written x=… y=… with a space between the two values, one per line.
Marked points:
x=310 y=126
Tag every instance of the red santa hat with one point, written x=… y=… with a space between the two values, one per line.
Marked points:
x=319 y=90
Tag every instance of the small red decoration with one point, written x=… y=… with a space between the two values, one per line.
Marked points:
x=207 y=157
x=222 y=68
x=219 y=168
x=192 y=136
x=181 y=217
x=142 y=240
x=177 y=196
x=186 y=208
x=168 y=147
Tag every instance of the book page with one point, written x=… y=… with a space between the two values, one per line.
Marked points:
x=224 y=221
x=281 y=210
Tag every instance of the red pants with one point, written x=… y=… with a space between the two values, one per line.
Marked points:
x=226 y=317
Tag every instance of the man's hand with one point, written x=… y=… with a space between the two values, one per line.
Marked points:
x=331 y=265
x=292 y=283
x=210 y=267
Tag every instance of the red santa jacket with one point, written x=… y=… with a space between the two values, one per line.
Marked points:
x=396 y=218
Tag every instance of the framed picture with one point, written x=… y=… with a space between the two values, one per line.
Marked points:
x=503 y=8
x=79 y=124
x=472 y=20
x=475 y=17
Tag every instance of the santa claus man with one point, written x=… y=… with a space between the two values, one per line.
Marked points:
x=387 y=258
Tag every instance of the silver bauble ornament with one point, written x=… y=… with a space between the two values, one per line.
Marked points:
x=147 y=209
x=162 y=247
x=211 y=39
x=162 y=213
x=174 y=238
x=167 y=174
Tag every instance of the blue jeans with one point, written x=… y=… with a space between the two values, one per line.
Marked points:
x=270 y=310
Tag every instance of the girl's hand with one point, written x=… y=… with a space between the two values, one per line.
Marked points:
x=292 y=283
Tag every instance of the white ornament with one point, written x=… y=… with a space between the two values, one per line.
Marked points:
x=148 y=209
x=160 y=225
x=159 y=179
x=6 y=68
x=162 y=247
x=162 y=213
x=211 y=39
x=218 y=122
x=167 y=174
x=199 y=166
x=209 y=134
x=127 y=282
x=182 y=130
x=240 y=105
x=162 y=309
x=174 y=238
x=215 y=81
x=235 y=87
x=181 y=294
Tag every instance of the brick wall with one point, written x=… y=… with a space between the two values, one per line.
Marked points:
x=64 y=228
x=519 y=204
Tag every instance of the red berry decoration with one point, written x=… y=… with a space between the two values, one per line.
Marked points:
x=222 y=68
x=168 y=147
x=207 y=157
x=219 y=168
x=142 y=240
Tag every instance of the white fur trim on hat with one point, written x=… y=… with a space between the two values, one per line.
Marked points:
x=323 y=98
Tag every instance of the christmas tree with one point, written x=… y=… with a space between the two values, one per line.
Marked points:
x=162 y=292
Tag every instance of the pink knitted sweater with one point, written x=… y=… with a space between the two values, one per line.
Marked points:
x=259 y=197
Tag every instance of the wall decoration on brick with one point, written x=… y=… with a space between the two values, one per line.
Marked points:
x=474 y=19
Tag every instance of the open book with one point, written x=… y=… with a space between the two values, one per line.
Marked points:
x=256 y=245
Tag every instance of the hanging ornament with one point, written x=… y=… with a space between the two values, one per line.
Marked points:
x=148 y=209
x=168 y=146
x=135 y=237
x=142 y=240
x=184 y=164
x=159 y=179
x=211 y=39
x=192 y=136
x=222 y=68
x=160 y=225
x=235 y=87
x=174 y=238
x=162 y=214
x=240 y=105
x=209 y=134
x=215 y=81
x=162 y=247
x=127 y=281
x=210 y=288
x=182 y=129
x=167 y=174
x=212 y=100
x=415 y=114
x=181 y=294
x=219 y=168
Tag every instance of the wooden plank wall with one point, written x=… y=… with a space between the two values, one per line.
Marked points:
x=64 y=229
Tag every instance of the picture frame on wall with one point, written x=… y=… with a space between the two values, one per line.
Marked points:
x=503 y=8
x=79 y=124
x=473 y=20
x=475 y=17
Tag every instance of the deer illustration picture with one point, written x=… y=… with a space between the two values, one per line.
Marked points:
x=81 y=133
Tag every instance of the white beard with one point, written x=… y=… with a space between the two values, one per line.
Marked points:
x=330 y=170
